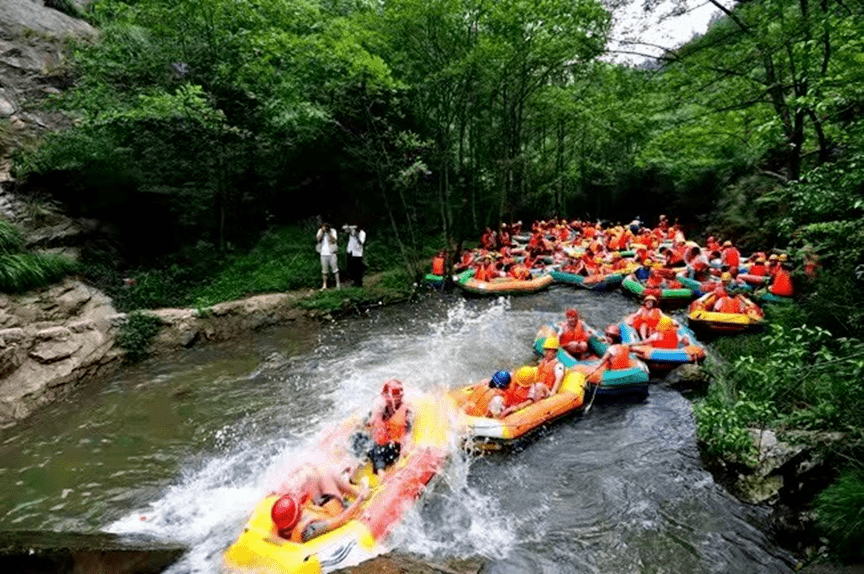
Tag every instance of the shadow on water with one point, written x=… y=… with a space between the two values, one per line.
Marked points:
x=181 y=449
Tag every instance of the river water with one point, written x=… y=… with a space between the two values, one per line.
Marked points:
x=181 y=449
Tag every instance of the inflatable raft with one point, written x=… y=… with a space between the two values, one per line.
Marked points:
x=502 y=285
x=609 y=382
x=701 y=288
x=568 y=399
x=634 y=286
x=702 y=314
x=261 y=550
x=605 y=282
x=659 y=359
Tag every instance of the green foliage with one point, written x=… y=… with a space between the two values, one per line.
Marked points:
x=11 y=240
x=840 y=514
x=21 y=270
x=136 y=334
x=284 y=259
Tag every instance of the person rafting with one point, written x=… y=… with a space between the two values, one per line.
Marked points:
x=616 y=357
x=666 y=335
x=390 y=421
x=646 y=318
x=318 y=505
x=524 y=390
x=573 y=334
x=550 y=371
x=489 y=399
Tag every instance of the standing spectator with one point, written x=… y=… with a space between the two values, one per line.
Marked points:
x=328 y=249
x=356 y=240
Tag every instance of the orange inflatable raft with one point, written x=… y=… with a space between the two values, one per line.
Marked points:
x=568 y=399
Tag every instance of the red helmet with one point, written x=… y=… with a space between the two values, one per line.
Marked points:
x=393 y=387
x=285 y=513
x=571 y=312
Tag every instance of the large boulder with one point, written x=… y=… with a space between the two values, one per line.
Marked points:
x=19 y=15
x=60 y=336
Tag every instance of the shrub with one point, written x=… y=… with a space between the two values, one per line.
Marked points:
x=840 y=514
x=136 y=334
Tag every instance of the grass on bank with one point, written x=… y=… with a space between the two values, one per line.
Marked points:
x=796 y=380
x=22 y=270
x=284 y=259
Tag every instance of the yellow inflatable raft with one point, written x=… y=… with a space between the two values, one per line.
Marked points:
x=261 y=550
x=702 y=314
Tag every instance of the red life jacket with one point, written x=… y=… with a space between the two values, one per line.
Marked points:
x=782 y=284
x=546 y=372
x=478 y=403
x=758 y=269
x=620 y=357
x=438 y=266
x=576 y=334
x=392 y=429
x=668 y=340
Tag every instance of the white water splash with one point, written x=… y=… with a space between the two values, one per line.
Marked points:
x=208 y=505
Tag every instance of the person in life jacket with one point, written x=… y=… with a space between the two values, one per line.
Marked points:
x=666 y=335
x=643 y=272
x=524 y=389
x=728 y=304
x=617 y=355
x=318 y=505
x=550 y=372
x=438 y=264
x=488 y=239
x=697 y=264
x=488 y=399
x=389 y=421
x=758 y=268
x=781 y=284
x=730 y=257
x=646 y=318
x=504 y=239
x=573 y=334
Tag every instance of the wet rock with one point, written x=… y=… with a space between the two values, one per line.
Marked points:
x=68 y=553
x=402 y=563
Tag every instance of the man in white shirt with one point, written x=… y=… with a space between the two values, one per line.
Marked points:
x=328 y=249
x=356 y=240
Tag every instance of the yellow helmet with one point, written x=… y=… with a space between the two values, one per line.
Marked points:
x=783 y=257
x=665 y=324
x=726 y=277
x=525 y=376
x=551 y=343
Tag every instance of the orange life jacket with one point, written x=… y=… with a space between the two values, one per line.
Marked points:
x=668 y=340
x=392 y=429
x=438 y=266
x=576 y=334
x=546 y=372
x=649 y=317
x=620 y=357
x=782 y=284
x=730 y=305
x=516 y=394
x=731 y=257
x=477 y=404
x=758 y=269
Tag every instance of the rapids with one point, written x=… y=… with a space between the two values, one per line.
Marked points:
x=181 y=449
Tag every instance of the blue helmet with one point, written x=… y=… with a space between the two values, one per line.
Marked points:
x=500 y=380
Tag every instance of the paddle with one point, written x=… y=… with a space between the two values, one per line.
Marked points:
x=594 y=393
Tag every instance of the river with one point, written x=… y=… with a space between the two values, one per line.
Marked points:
x=181 y=448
